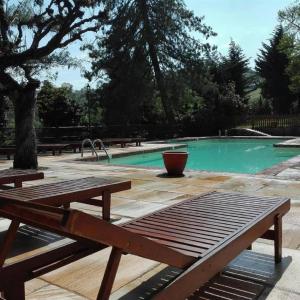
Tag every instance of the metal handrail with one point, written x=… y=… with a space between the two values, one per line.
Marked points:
x=102 y=147
x=92 y=146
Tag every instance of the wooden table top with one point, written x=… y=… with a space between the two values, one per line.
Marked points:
x=65 y=191
x=11 y=175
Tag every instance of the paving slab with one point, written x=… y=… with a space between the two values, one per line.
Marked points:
x=84 y=276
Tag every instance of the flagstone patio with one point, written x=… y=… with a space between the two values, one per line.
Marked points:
x=150 y=192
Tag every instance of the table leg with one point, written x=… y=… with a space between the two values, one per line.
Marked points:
x=106 y=200
x=18 y=183
x=278 y=238
x=66 y=205
x=8 y=241
x=110 y=274
x=15 y=292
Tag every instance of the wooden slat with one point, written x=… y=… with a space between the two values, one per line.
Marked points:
x=175 y=233
x=186 y=229
x=65 y=191
x=219 y=222
x=203 y=223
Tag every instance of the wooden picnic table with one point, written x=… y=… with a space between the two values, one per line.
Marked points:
x=17 y=176
x=50 y=197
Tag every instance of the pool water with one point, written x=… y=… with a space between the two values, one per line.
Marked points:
x=224 y=155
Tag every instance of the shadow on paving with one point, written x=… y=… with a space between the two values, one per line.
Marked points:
x=246 y=277
x=29 y=238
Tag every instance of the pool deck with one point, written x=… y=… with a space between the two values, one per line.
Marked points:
x=150 y=192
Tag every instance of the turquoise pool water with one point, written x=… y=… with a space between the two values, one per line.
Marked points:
x=231 y=155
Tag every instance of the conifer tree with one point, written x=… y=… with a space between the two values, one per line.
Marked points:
x=271 y=65
x=235 y=69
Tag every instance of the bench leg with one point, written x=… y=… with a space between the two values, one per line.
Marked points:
x=278 y=238
x=66 y=205
x=8 y=241
x=15 y=292
x=106 y=200
x=110 y=274
x=18 y=183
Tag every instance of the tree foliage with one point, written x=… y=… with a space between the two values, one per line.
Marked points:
x=56 y=106
x=271 y=64
x=234 y=69
x=290 y=18
x=158 y=34
x=290 y=44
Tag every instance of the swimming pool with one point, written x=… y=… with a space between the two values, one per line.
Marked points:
x=224 y=155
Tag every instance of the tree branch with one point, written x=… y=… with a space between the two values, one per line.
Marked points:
x=62 y=24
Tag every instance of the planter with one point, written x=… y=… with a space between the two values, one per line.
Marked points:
x=175 y=162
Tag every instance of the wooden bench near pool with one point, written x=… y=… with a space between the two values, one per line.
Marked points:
x=123 y=141
x=17 y=177
x=54 y=148
x=200 y=236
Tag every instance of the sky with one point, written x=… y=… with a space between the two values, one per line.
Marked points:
x=248 y=22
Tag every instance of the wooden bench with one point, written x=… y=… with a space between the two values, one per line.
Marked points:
x=200 y=236
x=47 y=198
x=123 y=141
x=17 y=177
x=7 y=151
x=52 y=147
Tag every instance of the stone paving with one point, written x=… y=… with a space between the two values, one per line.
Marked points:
x=150 y=192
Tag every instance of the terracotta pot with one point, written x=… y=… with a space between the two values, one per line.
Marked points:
x=175 y=161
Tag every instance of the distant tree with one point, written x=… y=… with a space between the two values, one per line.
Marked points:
x=56 y=106
x=290 y=45
x=271 y=65
x=158 y=30
x=31 y=34
x=235 y=69
x=261 y=107
x=290 y=18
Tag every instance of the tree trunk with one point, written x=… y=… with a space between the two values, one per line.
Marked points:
x=24 y=105
x=149 y=36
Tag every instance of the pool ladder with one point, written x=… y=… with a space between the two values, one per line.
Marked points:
x=92 y=144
